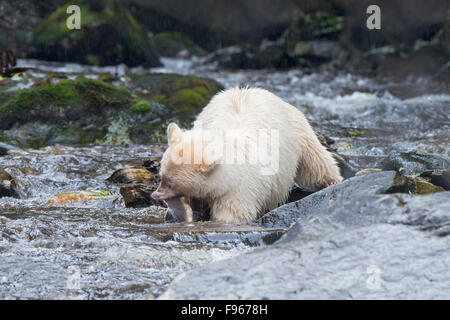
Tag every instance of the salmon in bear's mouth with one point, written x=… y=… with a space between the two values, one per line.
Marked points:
x=179 y=209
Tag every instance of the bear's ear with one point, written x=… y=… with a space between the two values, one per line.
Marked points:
x=174 y=133
x=210 y=160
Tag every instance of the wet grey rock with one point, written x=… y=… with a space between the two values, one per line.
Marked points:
x=318 y=49
x=217 y=234
x=415 y=162
x=297 y=193
x=439 y=178
x=349 y=241
x=270 y=55
x=411 y=185
x=347 y=171
x=6 y=149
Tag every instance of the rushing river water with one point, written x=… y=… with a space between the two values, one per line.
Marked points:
x=118 y=252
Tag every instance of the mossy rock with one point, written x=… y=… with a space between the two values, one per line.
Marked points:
x=170 y=44
x=85 y=111
x=415 y=162
x=412 y=185
x=75 y=112
x=184 y=95
x=67 y=99
x=313 y=26
x=109 y=35
x=424 y=187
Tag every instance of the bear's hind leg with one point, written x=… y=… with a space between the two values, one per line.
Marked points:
x=316 y=168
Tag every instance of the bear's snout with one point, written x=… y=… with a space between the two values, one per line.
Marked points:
x=160 y=195
x=157 y=196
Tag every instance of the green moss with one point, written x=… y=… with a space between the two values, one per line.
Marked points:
x=109 y=35
x=101 y=193
x=54 y=27
x=411 y=184
x=184 y=95
x=424 y=187
x=188 y=100
x=140 y=107
x=66 y=99
x=421 y=153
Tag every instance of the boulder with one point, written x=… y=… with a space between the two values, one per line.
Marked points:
x=311 y=39
x=415 y=162
x=185 y=96
x=349 y=241
x=109 y=35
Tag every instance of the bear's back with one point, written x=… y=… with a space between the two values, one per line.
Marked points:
x=246 y=108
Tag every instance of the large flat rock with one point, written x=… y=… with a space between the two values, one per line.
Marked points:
x=350 y=242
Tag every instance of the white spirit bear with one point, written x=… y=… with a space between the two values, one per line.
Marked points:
x=243 y=154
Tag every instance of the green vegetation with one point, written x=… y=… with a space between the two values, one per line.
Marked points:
x=140 y=107
x=184 y=95
x=67 y=100
x=411 y=185
x=109 y=35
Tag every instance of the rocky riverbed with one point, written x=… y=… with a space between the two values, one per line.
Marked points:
x=381 y=234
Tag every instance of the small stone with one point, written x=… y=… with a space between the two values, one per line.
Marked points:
x=344 y=146
x=153 y=164
x=137 y=195
x=6 y=184
x=131 y=175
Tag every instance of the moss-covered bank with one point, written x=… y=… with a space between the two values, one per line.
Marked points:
x=86 y=111
x=76 y=112
x=67 y=99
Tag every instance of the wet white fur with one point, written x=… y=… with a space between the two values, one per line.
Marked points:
x=238 y=193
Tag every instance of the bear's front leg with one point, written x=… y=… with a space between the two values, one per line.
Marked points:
x=229 y=210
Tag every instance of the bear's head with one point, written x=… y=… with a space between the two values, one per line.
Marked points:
x=186 y=164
